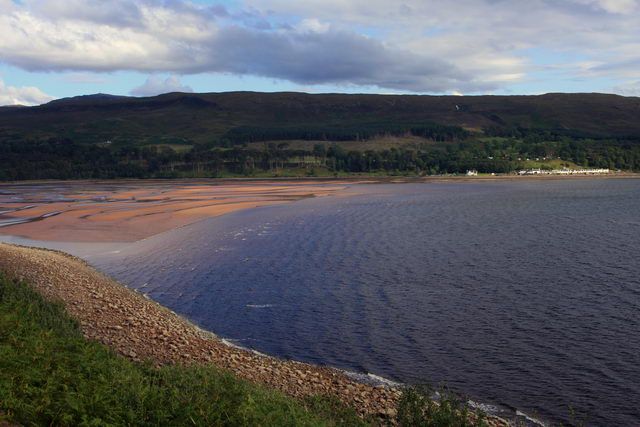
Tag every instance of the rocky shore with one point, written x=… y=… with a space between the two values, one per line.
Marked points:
x=141 y=329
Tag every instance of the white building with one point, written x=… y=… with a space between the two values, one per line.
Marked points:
x=583 y=171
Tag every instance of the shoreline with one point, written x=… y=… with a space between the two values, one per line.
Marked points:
x=340 y=179
x=141 y=329
x=207 y=358
x=126 y=211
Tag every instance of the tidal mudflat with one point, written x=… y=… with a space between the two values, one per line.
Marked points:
x=126 y=211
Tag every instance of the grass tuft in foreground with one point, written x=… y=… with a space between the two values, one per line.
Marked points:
x=417 y=408
x=51 y=375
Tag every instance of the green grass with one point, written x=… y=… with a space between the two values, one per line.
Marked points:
x=51 y=375
x=418 y=409
x=549 y=164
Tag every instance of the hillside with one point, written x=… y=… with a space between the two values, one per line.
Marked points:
x=294 y=134
x=201 y=118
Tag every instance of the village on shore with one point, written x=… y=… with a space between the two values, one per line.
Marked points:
x=564 y=171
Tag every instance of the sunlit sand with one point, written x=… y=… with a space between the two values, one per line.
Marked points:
x=125 y=211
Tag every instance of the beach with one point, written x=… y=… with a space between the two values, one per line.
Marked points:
x=127 y=211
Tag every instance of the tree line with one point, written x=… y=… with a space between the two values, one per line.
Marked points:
x=62 y=158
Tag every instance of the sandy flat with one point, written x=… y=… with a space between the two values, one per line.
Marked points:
x=126 y=211
x=130 y=210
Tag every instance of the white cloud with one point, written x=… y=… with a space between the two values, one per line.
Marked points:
x=469 y=46
x=613 y=6
x=170 y=37
x=26 y=95
x=7 y=5
x=313 y=25
x=492 y=40
x=628 y=89
x=155 y=85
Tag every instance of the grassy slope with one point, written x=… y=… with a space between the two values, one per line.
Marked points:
x=50 y=375
x=552 y=164
x=178 y=118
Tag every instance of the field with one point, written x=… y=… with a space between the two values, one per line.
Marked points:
x=549 y=164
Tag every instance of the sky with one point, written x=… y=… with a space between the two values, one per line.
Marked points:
x=59 y=48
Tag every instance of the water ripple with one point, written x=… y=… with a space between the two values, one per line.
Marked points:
x=522 y=294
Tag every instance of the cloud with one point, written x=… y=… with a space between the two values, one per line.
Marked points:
x=469 y=46
x=628 y=89
x=495 y=41
x=155 y=85
x=336 y=57
x=118 y=13
x=26 y=95
x=613 y=6
x=174 y=39
x=313 y=25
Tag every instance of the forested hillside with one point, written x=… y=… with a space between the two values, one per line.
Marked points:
x=269 y=134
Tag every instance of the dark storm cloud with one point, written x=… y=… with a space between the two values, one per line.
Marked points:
x=329 y=57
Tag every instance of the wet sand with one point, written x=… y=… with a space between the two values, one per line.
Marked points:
x=131 y=210
x=127 y=211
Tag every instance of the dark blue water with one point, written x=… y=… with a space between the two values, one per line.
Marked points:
x=522 y=294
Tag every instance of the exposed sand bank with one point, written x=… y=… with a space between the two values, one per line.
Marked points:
x=126 y=211
x=130 y=210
